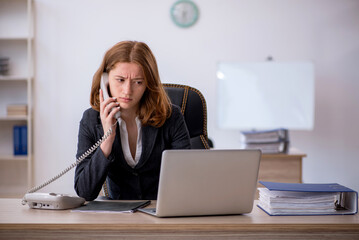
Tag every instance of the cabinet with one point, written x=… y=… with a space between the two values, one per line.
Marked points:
x=16 y=44
x=281 y=167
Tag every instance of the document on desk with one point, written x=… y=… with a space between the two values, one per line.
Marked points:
x=112 y=206
x=307 y=199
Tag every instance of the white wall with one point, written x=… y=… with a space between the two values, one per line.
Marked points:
x=72 y=36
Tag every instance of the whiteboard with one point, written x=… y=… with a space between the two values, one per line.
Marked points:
x=265 y=95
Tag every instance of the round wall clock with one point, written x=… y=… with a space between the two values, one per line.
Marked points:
x=184 y=13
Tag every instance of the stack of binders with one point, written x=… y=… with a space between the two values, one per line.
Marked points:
x=307 y=199
x=269 y=141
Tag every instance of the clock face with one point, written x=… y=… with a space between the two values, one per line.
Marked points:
x=184 y=13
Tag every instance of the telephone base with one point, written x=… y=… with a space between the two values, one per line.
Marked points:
x=53 y=201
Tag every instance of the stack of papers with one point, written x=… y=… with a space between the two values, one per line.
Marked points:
x=307 y=199
x=17 y=110
x=268 y=141
x=294 y=203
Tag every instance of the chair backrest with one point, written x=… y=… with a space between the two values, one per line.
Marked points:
x=194 y=109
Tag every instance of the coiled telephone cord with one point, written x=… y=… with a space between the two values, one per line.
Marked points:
x=80 y=159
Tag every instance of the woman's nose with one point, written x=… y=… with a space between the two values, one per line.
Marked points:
x=128 y=87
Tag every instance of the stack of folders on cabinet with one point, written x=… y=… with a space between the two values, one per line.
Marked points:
x=269 y=141
x=278 y=199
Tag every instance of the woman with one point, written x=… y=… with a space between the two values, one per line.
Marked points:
x=130 y=158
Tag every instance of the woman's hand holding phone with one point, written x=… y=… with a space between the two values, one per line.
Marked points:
x=108 y=108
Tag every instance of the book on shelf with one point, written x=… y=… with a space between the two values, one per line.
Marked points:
x=20 y=140
x=268 y=141
x=17 y=110
x=16 y=137
x=23 y=139
x=278 y=199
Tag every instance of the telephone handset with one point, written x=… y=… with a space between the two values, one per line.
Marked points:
x=64 y=201
x=104 y=86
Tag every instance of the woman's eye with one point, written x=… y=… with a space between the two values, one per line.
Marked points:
x=139 y=82
x=120 y=79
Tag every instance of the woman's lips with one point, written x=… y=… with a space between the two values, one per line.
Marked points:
x=122 y=99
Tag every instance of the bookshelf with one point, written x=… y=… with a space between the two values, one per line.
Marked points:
x=16 y=44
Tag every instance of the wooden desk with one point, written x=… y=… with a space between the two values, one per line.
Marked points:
x=19 y=222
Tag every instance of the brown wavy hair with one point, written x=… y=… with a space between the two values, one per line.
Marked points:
x=155 y=106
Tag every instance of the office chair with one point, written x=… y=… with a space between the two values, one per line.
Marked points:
x=194 y=109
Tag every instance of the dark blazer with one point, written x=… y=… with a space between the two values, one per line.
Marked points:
x=123 y=181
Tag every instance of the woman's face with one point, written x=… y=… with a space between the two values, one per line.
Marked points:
x=127 y=84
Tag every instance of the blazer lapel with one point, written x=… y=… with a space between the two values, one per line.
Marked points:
x=149 y=135
x=116 y=147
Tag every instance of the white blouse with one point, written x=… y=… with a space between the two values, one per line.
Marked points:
x=125 y=144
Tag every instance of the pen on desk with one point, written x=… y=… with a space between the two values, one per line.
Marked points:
x=145 y=204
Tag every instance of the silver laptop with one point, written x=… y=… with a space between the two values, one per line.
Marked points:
x=206 y=182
